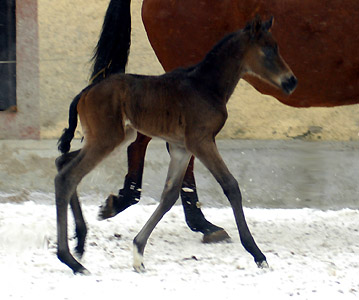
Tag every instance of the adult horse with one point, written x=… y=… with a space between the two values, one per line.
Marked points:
x=322 y=48
x=319 y=40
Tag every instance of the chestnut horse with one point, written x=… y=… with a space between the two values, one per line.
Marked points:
x=322 y=50
x=186 y=108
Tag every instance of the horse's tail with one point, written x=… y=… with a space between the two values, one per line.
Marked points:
x=64 y=143
x=112 y=49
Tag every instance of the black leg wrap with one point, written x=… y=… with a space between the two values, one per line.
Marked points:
x=195 y=219
x=128 y=196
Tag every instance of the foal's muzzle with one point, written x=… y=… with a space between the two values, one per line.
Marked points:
x=289 y=84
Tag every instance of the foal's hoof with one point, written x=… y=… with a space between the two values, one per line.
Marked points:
x=215 y=237
x=107 y=210
x=78 y=254
x=139 y=268
x=262 y=264
x=82 y=271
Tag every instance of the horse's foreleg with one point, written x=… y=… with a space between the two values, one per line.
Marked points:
x=81 y=228
x=195 y=219
x=131 y=192
x=208 y=154
x=178 y=164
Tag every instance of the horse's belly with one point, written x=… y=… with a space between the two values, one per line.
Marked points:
x=318 y=39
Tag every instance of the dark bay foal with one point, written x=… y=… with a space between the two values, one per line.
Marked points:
x=111 y=56
x=186 y=108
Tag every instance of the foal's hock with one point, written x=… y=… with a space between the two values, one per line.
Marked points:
x=186 y=108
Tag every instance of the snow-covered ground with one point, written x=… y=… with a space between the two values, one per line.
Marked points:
x=312 y=254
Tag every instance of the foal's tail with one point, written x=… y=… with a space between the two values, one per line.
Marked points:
x=112 y=50
x=111 y=55
x=64 y=143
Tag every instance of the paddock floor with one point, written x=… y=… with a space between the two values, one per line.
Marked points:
x=301 y=204
x=312 y=254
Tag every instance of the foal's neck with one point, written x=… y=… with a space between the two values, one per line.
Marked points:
x=223 y=66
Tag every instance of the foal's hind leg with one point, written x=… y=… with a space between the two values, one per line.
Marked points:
x=178 y=164
x=81 y=228
x=207 y=152
x=66 y=183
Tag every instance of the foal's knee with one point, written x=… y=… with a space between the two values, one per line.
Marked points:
x=170 y=197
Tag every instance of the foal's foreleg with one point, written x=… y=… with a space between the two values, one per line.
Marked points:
x=178 y=164
x=208 y=154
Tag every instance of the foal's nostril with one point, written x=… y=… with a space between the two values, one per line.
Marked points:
x=290 y=84
x=293 y=81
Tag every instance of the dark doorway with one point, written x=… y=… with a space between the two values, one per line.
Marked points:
x=7 y=54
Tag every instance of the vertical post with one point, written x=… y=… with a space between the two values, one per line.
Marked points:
x=23 y=121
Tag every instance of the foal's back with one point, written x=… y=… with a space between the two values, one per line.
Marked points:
x=158 y=106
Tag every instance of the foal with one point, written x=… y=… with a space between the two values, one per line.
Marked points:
x=186 y=107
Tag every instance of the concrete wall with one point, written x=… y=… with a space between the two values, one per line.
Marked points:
x=271 y=174
x=67 y=33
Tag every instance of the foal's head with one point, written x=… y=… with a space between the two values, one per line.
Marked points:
x=262 y=57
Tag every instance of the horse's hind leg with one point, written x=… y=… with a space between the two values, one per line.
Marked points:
x=178 y=164
x=195 y=219
x=131 y=192
x=81 y=228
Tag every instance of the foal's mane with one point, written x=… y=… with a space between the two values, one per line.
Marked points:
x=217 y=48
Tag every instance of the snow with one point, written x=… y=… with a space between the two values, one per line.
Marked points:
x=312 y=254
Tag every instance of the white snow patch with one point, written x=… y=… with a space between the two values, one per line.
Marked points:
x=312 y=254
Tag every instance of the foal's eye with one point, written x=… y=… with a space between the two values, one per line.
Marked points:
x=269 y=52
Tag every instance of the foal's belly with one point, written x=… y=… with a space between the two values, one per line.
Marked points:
x=158 y=129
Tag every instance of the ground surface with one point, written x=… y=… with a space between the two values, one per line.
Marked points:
x=312 y=254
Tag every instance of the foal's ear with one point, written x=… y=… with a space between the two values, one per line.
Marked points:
x=268 y=25
x=255 y=26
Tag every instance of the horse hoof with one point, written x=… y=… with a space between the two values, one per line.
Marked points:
x=139 y=268
x=78 y=254
x=83 y=271
x=215 y=237
x=262 y=264
x=107 y=210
